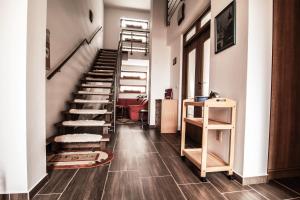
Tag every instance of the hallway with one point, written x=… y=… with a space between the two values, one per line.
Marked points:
x=146 y=166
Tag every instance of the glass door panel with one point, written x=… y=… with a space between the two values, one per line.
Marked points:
x=191 y=79
x=206 y=68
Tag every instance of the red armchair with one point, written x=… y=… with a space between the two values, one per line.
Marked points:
x=135 y=109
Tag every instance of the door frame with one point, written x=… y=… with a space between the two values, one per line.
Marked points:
x=186 y=43
x=199 y=31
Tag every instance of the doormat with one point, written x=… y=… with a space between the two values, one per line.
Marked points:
x=77 y=160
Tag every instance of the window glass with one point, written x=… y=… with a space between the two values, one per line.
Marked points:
x=190 y=34
x=206 y=18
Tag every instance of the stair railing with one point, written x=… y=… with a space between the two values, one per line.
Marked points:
x=61 y=65
x=117 y=81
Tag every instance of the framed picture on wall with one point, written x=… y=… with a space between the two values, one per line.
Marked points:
x=225 y=25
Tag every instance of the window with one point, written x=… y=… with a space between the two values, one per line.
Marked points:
x=135 y=35
x=133 y=89
x=134 y=23
x=205 y=19
x=134 y=78
x=133 y=75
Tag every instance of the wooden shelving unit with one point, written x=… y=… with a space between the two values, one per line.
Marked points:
x=200 y=157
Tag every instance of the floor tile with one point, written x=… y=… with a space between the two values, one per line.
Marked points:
x=165 y=150
x=46 y=197
x=151 y=165
x=173 y=138
x=223 y=184
x=154 y=135
x=274 y=191
x=123 y=185
x=244 y=195
x=18 y=196
x=58 y=180
x=177 y=147
x=134 y=143
x=162 y=188
x=4 y=197
x=293 y=183
x=112 y=141
x=87 y=184
x=123 y=161
x=180 y=171
x=203 y=191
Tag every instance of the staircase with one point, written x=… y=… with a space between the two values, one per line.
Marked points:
x=90 y=116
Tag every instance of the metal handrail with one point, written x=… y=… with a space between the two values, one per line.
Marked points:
x=61 y=65
x=117 y=81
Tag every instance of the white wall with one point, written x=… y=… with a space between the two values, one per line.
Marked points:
x=251 y=59
x=36 y=92
x=223 y=77
x=160 y=56
x=176 y=52
x=258 y=87
x=22 y=138
x=13 y=165
x=193 y=9
x=112 y=16
x=68 y=22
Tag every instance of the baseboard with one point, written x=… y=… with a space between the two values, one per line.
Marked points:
x=19 y=196
x=283 y=173
x=26 y=196
x=38 y=187
x=251 y=180
x=152 y=126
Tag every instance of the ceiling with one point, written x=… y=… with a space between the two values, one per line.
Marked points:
x=131 y=4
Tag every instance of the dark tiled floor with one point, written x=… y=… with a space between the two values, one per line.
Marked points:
x=147 y=167
x=203 y=191
x=47 y=197
x=274 y=191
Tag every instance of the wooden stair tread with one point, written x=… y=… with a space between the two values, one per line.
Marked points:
x=95 y=86
x=92 y=93
x=88 y=79
x=90 y=101
x=103 y=67
x=78 y=138
x=99 y=74
x=88 y=112
x=105 y=79
x=102 y=70
x=85 y=123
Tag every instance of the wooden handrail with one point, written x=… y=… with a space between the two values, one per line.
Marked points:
x=60 y=66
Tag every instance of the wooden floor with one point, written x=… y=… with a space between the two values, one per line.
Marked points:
x=145 y=166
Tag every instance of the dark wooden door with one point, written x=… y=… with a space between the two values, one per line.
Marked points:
x=199 y=69
x=193 y=58
x=284 y=147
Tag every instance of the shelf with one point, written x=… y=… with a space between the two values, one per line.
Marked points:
x=213 y=164
x=213 y=103
x=212 y=124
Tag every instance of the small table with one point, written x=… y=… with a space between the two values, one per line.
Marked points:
x=143 y=115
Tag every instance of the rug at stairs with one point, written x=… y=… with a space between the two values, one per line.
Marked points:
x=77 y=160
